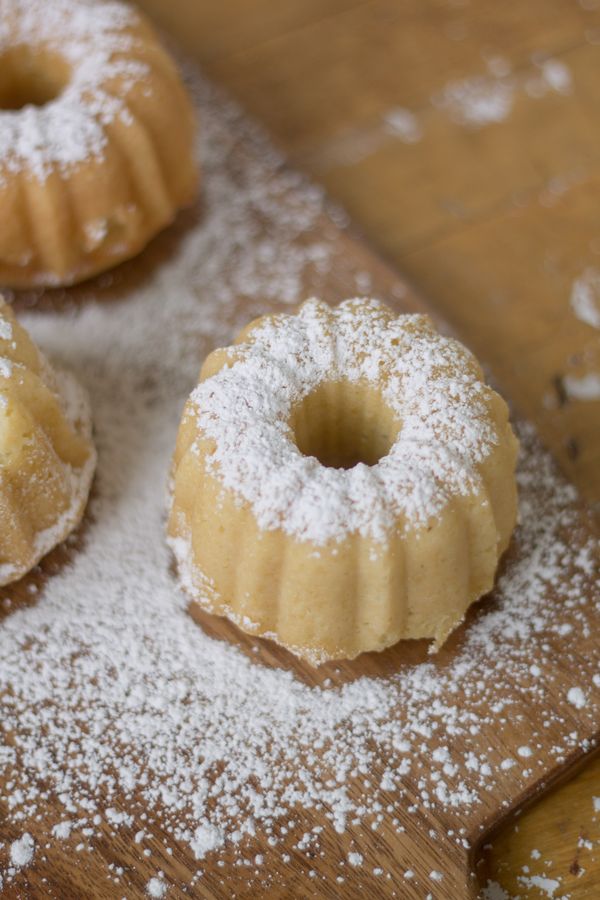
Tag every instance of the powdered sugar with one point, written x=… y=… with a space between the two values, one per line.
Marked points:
x=92 y=40
x=481 y=100
x=403 y=124
x=548 y=886
x=156 y=888
x=206 y=838
x=114 y=700
x=582 y=387
x=576 y=697
x=493 y=891
x=22 y=850
x=62 y=830
x=557 y=75
x=585 y=297
x=427 y=380
x=477 y=101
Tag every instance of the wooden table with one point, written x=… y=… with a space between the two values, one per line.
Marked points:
x=487 y=197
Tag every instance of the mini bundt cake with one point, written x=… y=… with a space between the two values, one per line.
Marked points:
x=343 y=478
x=47 y=458
x=96 y=139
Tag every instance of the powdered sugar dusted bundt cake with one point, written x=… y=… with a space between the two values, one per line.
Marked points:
x=47 y=458
x=343 y=478
x=96 y=139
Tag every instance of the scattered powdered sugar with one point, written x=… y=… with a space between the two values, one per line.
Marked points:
x=472 y=102
x=22 y=850
x=121 y=716
x=484 y=99
x=156 y=888
x=548 y=886
x=355 y=859
x=404 y=125
x=427 y=380
x=576 y=697
x=206 y=838
x=352 y=145
x=585 y=297
x=582 y=387
x=551 y=75
x=557 y=75
x=477 y=101
x=63 y=830
x=92 y=40
x=494 y=891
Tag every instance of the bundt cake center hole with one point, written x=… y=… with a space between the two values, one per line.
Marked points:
x=344 y=423
x=31 y=77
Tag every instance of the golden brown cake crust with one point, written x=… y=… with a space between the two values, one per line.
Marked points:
x=343 y=478
x=96 y=139
x=47 y=458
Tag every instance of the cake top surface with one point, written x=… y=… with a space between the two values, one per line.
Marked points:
x=97 y=44
x=431 y=383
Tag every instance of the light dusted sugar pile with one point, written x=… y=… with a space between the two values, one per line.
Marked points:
x=477 y=101
x=22 y=850
x=92 y=40
x=583 y=387
x=119 y=714
x=481 y=100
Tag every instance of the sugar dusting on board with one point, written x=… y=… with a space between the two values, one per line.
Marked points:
x=121 y=713
x=481 y=100
x=582 y=387
x=22 y=850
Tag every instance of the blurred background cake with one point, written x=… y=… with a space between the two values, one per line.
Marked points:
x=96 y=139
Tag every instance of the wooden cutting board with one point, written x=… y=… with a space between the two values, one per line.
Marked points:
x=507 y=707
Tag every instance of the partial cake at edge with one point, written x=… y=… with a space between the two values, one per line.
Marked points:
x=47 y=458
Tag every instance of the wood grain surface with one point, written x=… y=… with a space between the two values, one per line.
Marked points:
x=492 y=706
x=493 y=224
